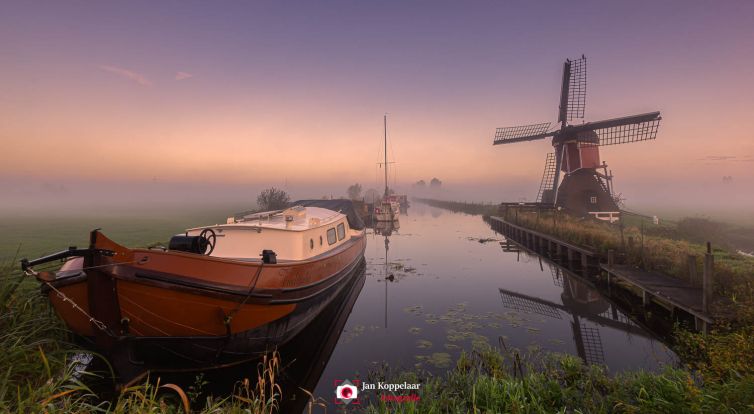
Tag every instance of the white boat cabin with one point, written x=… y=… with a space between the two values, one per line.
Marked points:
x=297 y=233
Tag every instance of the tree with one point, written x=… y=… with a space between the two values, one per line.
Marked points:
x=421 y=184
x=354 y=191
x=435 y=183
x=371 y=196
x=273 y=199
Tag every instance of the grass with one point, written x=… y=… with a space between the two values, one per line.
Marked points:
x=462 y=206
x=656 y=247
x=488 y=381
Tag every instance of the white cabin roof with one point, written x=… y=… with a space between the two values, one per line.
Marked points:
x=296 y=218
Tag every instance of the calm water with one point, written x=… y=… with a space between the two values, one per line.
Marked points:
x=451 y=285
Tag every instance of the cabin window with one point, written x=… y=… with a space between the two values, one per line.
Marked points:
x=320 y=240
x=593 y=199
x=341 y=231
x=311 y=244
x=331 y=236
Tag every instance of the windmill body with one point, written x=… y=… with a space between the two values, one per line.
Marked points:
x=586 y=187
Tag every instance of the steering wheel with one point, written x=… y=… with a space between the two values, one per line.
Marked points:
x=209 y=237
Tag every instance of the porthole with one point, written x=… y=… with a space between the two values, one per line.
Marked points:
x=320 y=240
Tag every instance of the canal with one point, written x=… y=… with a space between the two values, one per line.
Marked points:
x=439 y=283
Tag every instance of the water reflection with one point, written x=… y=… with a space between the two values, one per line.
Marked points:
x=581 y=303
x=588 y=309
x=303 y=358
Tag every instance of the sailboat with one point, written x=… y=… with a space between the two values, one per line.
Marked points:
x=388 y=209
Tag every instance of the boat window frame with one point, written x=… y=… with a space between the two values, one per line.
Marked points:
x=321 y=242
x=334 y=236
x=341 y=229
x=311 y=244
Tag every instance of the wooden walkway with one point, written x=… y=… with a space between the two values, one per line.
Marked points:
x=676 y=292
x=653 y=286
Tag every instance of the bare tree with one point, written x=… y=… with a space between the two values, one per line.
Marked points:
x=371 y=196
x=354 y=191
x=273 y=199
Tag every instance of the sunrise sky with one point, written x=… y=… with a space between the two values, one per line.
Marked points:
x=233 y=95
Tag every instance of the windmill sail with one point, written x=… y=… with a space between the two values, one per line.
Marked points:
x=545 y=194
x=624 y=130
x=573 y=90
x=522 y=133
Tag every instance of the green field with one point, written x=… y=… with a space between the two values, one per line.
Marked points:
x=35 y=236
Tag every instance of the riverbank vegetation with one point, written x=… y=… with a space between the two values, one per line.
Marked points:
x=485 y=209
x=659 y=247
x=492 y=381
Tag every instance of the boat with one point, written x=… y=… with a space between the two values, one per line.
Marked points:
x=217 y=295
x=388 y=209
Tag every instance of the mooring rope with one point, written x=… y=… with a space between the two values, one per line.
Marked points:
x=252 y=286
x=99 y=324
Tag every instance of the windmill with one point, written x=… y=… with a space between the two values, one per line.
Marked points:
x=584 y=190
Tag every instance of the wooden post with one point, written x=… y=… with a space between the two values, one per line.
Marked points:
x=558 y=250
x=584 y=261
x=644 y=298
x=643 y=265
x=610 y=264
x=570 y=254
x=691 y=262
x=709 y=267
x=553 y=222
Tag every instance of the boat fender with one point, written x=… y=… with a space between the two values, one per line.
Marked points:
x=269 y=257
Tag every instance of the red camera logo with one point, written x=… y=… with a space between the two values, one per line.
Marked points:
x=347 y=392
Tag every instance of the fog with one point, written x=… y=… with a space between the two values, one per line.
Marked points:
x=27 y=196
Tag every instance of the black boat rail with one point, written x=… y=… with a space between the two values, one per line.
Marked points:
x=73 y=251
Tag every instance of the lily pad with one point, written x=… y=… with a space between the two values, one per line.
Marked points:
x=423 y=344
x=440 y=359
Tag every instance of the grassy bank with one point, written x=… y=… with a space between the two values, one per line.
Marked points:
x=487 y=381
x=656 y=247
x=483 y=209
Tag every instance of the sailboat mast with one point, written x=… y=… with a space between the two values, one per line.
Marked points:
x=385 y=122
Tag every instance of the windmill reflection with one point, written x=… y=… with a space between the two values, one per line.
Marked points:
x=583 y=304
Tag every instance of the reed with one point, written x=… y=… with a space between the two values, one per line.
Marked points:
x=648 y=247
x=488 y=381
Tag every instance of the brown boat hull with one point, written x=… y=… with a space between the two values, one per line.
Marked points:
x=199 y=309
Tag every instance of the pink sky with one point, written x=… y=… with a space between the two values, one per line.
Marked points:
x=268 y=94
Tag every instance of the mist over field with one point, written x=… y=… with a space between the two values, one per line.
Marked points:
x=27 y=197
